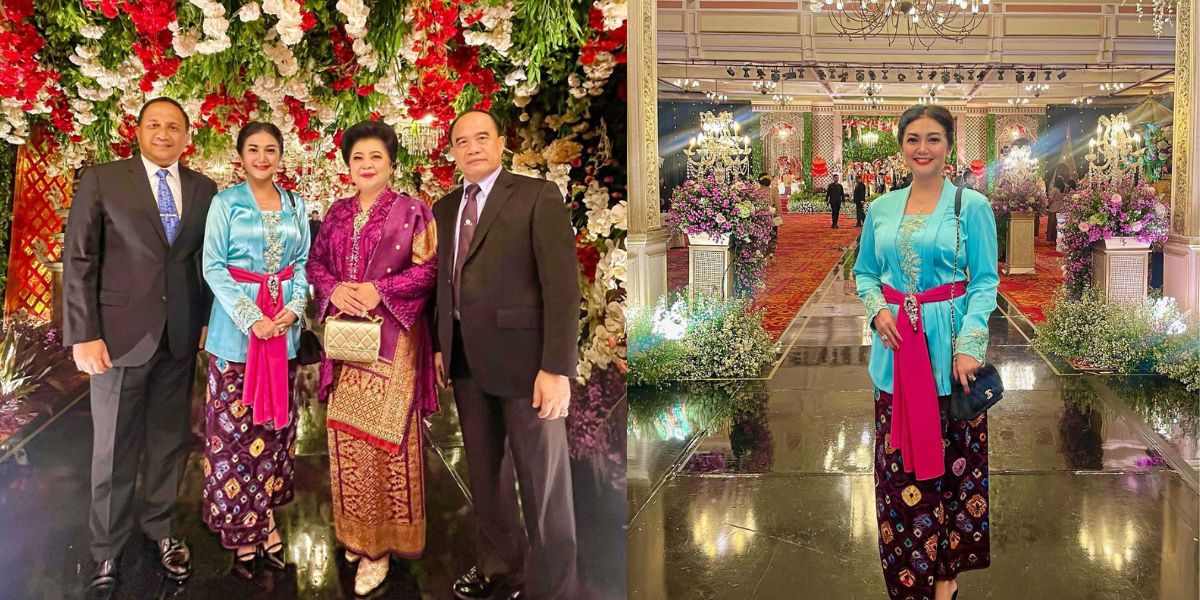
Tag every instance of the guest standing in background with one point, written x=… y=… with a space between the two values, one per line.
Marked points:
x=931 y=471
x=376 y=257
x=860 y=201
x=255 y=250
x=834 y=194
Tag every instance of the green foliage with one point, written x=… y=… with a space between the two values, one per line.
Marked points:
x=990 y=128
x=855 y=151
x=717 y=338
x=8 y=172
x=806 y=154
x=1128 y=337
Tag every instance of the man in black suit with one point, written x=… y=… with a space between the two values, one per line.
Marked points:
x=134 y=309
x=834 y=194
x=507 y=332
x=860 y=201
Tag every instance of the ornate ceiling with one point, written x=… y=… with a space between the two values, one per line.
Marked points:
x=1079 y=46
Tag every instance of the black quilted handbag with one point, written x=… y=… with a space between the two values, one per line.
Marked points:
x=987 y=389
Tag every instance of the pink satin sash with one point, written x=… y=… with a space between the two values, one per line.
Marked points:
x=266 y=386
x=916 y=418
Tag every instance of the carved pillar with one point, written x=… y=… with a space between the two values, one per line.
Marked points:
x=647 y=241
x=1181 y=255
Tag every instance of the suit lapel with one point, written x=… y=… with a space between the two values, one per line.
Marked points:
x=144 y=200
x=187 y=189
x=499 y=195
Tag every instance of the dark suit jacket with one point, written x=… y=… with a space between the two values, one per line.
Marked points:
x=835 y=193
x=860 y=192
x=519 y=292
x=122 y=282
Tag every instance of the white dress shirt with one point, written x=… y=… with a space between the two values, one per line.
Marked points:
x=173 y=182
x=485 y=189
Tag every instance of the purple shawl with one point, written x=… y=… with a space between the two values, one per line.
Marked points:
x=406 y=280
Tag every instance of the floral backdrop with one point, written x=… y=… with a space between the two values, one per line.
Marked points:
x=74 y=75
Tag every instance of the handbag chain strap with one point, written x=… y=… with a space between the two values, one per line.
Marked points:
x=954 y=277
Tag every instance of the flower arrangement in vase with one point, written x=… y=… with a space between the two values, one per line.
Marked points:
x=1097 y=213
x=737 y=212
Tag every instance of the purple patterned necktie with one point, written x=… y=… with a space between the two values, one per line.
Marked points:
x=466 y=231
x=166 y=206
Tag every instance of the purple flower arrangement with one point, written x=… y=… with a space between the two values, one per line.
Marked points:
x=1096 y=213
x=738 y=209
x=1018 y=195
x=597 y=422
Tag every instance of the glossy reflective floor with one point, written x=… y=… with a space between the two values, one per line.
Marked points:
x=764 y=489
x=44 y=535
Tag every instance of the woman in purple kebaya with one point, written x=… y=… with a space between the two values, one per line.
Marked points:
x=375 y=256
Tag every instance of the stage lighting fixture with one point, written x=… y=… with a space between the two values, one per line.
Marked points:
x=775 y=74
x=844 y=76
x=981 y=75
x=970 y=76
x=945 y=76
x=932 y=74
x=1020 y=77
x=885 y=74
x=858 y=75
x=801 y=72
x=790 y=75
x=761 y=73
x=745 y=72
x=958 y=77
x=871 y=74
x=730 y=71
x=920 y=76
x=1001 y=76
x=1031 y=75
x=901 y=77
x=821 y=74
x=1062 y=75
x=1047 y=75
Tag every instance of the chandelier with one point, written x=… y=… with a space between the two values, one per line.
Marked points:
x=718 y=151
x=1111 y=87
x=687 y=85
x=419 y=137
x=872 y=91
x=1081 y=100
x=1037 y=89
x=1112 y=151
x=715 y=97
x=1020 y=163
x=782 y=99
x=924 y=21
x=931 y=91
x=764 y=87
x=869 y=139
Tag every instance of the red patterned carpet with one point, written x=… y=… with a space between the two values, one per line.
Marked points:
x=807 y=250
x=1032 y=293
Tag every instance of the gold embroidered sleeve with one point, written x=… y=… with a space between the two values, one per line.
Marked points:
x=245 y=313
x=973 y=341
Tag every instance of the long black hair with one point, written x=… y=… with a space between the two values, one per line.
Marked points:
x=938 y=113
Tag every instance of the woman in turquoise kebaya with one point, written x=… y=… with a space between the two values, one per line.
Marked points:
x=931 y=472
x=255 y=252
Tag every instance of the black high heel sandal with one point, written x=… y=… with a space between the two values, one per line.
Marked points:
x=244 y=564
x=273 y=554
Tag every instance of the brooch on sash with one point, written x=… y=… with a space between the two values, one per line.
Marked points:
x=913 y=309
x=273 y=288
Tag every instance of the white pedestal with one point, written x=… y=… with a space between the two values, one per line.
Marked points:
x=1121 y=269
x=710 y=265
x=1020 y=243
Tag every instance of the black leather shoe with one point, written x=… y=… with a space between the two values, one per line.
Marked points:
x=104 y=580
x=474 y=586
x=273 y=554
x=244 y=564
x=175 y=558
